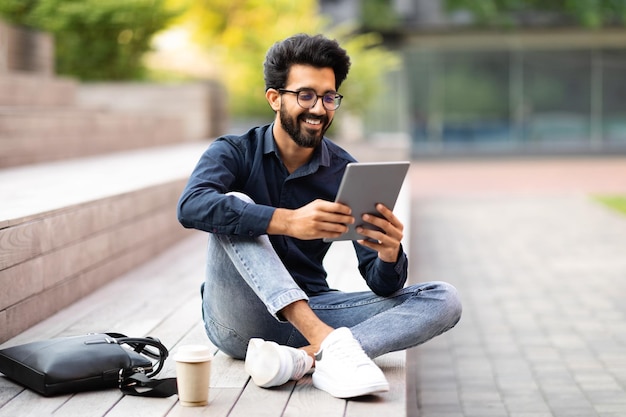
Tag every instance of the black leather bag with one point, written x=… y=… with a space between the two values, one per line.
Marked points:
x=89 y=362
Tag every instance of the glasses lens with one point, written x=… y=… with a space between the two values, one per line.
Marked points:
x=331 y=100
x=307 y=98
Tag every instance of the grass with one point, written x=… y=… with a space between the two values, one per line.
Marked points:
x=615 y=202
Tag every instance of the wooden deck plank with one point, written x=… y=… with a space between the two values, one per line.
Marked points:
x=94 y=403
x=227 y=372
x=392 y=403
x=142 y=406
x=30 y=404
x=221 y=401
x=261 y=402
x=8 y=391
x=161 y=298
x=307 y=401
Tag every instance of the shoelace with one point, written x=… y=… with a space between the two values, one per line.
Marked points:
x=299 y=365
x=349 y=351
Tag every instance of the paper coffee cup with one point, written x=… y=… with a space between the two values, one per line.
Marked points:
x=193 y=372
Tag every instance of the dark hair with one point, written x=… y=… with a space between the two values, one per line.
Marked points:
x=317 y=51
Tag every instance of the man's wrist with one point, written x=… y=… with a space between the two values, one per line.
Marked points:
x=278 y=222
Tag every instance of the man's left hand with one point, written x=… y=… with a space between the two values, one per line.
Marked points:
x=386 y=241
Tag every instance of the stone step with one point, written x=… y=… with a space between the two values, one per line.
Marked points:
x=28 y=89
x=68 y=227
x=37 y=134
x=201 y=104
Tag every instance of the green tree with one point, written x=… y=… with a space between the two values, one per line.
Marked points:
x=379 y=15
x=238 y=33
x=94 y=39
x=588 y=13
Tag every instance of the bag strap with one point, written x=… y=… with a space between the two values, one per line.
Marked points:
x=143 y=345
x=138 y=384
x=153 y=348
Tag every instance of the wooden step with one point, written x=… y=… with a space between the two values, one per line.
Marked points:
x=37 y=134
x=30 y=89
x=68 y=227
x=202 y=105
x=142 y=303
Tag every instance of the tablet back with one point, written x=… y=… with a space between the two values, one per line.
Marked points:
x=365 y=184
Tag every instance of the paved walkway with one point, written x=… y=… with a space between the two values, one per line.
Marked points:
x=541 y=269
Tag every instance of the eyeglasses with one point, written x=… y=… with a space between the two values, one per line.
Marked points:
x=307 y=98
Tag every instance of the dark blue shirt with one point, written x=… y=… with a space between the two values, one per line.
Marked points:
x=251 y=164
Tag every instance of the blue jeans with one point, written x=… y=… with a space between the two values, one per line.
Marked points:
x=247 y=285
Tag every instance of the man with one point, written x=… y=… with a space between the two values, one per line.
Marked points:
x=266 y=199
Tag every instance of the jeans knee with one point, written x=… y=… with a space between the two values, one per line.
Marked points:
x=445 y=302
x=453 y=306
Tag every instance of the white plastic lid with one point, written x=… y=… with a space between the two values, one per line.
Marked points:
x=193 y=353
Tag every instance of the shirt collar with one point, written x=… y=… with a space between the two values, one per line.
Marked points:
x=321 y=156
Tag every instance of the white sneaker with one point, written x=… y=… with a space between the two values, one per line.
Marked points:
x=270 y=364
x=344 y=370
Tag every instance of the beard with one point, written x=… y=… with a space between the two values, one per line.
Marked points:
x=300 y=135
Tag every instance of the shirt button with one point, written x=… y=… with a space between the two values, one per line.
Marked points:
x=250 y=233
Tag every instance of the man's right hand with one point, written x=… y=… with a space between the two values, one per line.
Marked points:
x=318 y=219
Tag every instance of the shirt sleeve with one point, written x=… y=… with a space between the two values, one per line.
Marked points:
x=383 y=278
x=205 y=204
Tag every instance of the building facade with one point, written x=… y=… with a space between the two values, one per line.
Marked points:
x=540 y=88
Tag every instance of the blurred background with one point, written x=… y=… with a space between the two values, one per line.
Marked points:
x=439 y=77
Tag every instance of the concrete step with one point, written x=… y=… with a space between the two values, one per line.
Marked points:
x=29 y=89
x=66 y=228
x=38 y=134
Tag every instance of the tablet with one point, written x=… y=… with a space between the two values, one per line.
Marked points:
x=365 y=184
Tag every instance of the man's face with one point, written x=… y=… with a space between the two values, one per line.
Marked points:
x=306 y=127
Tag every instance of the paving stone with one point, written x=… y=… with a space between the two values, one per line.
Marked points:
x=544 y=322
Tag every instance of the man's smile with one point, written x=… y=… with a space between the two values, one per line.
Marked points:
x=312 y=122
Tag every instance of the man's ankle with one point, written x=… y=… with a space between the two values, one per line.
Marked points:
x=303 y=318
x=310 y=350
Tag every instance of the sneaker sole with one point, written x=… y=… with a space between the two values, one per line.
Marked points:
x=322 y=383
x=263 y=363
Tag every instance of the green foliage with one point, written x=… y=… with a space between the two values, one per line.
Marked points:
x=370 y=62
x=238 y=33
x=18 y=11
x=106 y=40
x=379 y=15
x=615 y=202
x=94 y=39
x=588 y=13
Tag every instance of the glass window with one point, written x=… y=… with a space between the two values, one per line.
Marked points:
x=613 y=64
x=557 y=97
x=475 y=91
